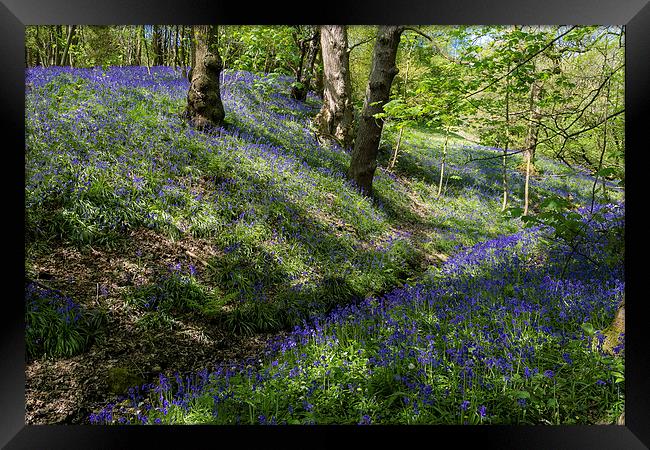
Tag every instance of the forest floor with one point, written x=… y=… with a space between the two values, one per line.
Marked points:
x=66 y=390
x=260 y=215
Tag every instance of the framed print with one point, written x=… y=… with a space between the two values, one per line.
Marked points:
x=416 y=220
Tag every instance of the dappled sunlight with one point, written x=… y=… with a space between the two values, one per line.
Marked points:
x=237 y=276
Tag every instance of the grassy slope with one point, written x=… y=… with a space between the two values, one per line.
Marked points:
x=275 y=203
x=108 y=152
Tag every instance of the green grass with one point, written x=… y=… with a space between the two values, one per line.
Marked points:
x=108 y=153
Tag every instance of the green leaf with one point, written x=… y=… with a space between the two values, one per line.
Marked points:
x=588 y=328
x=555 y=203
x=619 y=377
x=529 y=220
x=522 y=394
x=606 y=172
x=515 y=211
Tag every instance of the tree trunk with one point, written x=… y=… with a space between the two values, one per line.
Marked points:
x=165 y=46
x=156 y=46
x=192 y=54
x=176 y=38
x=335 y=118
x=302 y=48
x=184 y=53
x=128 y=48
x=38 y=49
x=306 y=68
x=504 y=162
x=531 y=139
x=364 y=156
x=58 y=33
x=68 y=41
x=442 y=164
x=138 y=48
x=314 y=47
x=317 y=80
x=533 y=125
x=51 y=48
x=526 y=183
x=76 y=40
x=393 y=160
x=204 y=107
x=146 y=50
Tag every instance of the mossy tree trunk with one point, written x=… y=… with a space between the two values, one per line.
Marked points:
x=364 y=155
x=204 y=107
x=335 y=118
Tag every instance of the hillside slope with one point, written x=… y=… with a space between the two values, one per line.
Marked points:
x=191 y=248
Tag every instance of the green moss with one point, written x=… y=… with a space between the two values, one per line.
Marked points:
x=121 y=379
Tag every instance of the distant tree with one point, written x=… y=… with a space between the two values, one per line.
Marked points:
x=317 y=83
x=177 y=42
x=157 y=46
x=47 y=41
x=308 y=47
x=184 y=54
x=401 y=124
x=68 y=42
x=361 y=41
x=261 y=49
x=204 y=107
x=514 y=67
x=335 y=118
x=364 y=155
x=506 y=144
x=531 y=138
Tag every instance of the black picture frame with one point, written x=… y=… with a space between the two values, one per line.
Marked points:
x=15 y=14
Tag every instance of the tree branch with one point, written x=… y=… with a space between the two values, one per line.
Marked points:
x=593 y=99
x=495 y=157
x=521 y=63
x=584 y=130
x=360 y=43
x=418 y=32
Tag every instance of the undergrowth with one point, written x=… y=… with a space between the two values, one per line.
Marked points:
x=496 y=335
x=503 y=332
